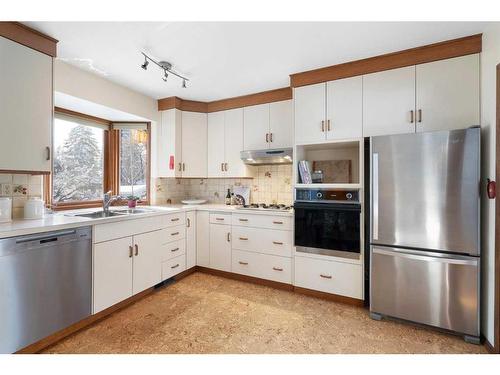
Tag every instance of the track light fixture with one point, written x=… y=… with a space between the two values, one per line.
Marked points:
x=167 y=68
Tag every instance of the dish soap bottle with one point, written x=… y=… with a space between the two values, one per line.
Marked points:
x=228 y=197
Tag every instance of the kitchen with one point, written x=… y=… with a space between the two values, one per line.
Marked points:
x=342 y=205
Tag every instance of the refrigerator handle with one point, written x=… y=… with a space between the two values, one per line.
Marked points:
x=427 y=258
x=375 y=196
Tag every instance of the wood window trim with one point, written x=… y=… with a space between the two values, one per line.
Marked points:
x=111 y=166
x=495 y=348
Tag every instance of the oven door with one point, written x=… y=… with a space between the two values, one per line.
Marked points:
x=328 y=226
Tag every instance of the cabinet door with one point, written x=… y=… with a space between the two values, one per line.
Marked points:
x=147 y=262
x=281 y=124
x=220 y=247
x=169 y=144
x=112 y=272
x=344 y=108
x=203 y=238
x=448 y=94
x=310 y=113
x=194 y=144
x=256 y=127
x=26 y=108
x=234 y=167
x=389 y=102
x=190 y=239
x=216 y=155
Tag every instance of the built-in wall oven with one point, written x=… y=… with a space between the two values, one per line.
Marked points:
x=328 y=222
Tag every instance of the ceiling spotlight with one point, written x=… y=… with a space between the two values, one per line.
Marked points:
x=183 y=83
x=166 y=67
x=165 y=77
x=145 y=65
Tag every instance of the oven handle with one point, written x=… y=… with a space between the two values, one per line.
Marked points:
x=375 y=195
x=327 y=206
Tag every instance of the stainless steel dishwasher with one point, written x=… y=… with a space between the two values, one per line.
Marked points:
x=45 y=285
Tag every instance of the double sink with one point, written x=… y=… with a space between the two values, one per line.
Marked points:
x=103 y=214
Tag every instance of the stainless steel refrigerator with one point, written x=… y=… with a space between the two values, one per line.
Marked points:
x=425 y=240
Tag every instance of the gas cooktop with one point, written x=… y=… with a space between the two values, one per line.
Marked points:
x=266 y=207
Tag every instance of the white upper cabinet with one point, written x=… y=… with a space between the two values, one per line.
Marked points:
x=216 y=144
x=281 y=124
x=256 y=127
x=26 y=107
x=194 y=144
x=389 y=102
x=169 y=157
x=344 y=110
x=448 y=94
x=233 y=166
x=310 y=113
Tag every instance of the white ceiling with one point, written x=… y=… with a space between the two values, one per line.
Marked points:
x=230 y=59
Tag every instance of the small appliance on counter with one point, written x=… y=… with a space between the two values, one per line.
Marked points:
x=5 y=210
x=34 y=208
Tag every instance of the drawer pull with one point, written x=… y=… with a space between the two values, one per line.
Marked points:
x=243 y=238
x=229 y=237
x=325 y=276
x=177 y=265
x=175 y=219
x=219 y=218
x=277 y=243
x=277 y=269
x=243 y=263
x=130 y=251
x=277 y=222
x=243 y=219
x=174 y=250
x=174 y=234
x=136 y=249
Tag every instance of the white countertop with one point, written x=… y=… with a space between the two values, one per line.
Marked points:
x=65 y=220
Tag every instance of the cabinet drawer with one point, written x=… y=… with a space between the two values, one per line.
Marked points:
x=263 y=221
x=269 y=267
x=172 y=267
x=173 y=220
x=267 y=241
x=344 y=279
x=216 y=218
x=172 y=250
x=125 y=228
x=173 y=234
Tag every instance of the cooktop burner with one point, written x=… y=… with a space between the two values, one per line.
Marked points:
x=263 y=206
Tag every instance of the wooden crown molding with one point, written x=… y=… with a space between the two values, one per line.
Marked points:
x=419 y=55
x=225 y=104
x=29 y=37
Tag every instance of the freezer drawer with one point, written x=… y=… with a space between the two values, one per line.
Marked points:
x=428 y=288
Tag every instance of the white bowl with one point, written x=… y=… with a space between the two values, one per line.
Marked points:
x=194 y=201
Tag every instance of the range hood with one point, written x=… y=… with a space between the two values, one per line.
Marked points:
x=263 y=157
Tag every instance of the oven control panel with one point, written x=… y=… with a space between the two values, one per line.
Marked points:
x=315 y=195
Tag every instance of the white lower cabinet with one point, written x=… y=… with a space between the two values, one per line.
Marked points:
x=203 y=238
x=172 y=267
x=268 y=241
x=220 y=247
x=190 y=239
x=345 y=279
x=146 y=261
x=264 y=266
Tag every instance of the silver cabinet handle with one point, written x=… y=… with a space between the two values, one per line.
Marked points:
x=328 y=125
x=222 y=167
x=271 y=137
x=175 y=219
x=225 y=167
x=277 y=269
x=174 y=234
x=183 y=167
x=243 y=263
x=177 y=265
x=375 y=195
x=174 y=250
x=136 y=249
x=188 y=221
x=419 y=114
x=228 y=237
x=267 y=137
x=219 y=218
x=243 y=219
x=244 y=238
x=325 y=276
x=412 y=116
x=130 y=251
x=323 y=125
x=277 y=222
x=180 y=167
x=277 y=243
x=47 y=149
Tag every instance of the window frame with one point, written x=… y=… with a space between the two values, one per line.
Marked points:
x=111 y=166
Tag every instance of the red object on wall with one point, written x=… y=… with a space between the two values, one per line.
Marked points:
x=491 y=189
x=171 y=162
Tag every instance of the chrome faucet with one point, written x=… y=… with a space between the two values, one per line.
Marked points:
x=108 y=199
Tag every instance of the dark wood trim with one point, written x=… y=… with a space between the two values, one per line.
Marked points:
x=82 y=116
x=413 y=56
x=185 y=273
x=16 y=171
x=496 y=289
x=264 y=97
x=29 y=37
x=270 y=96
x=488 y=346
x=54 y=338
x=76 y=205
x=329 y=296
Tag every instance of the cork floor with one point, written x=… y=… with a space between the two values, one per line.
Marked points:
x=209 y=314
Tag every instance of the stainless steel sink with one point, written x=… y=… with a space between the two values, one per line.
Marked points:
x=134 y=211
x=102 y=214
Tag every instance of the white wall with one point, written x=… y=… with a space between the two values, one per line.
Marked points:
x=490 y=57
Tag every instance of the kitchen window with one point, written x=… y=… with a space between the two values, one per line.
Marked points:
x=92 y=156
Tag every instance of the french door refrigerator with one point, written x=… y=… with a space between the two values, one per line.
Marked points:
x=424 y=242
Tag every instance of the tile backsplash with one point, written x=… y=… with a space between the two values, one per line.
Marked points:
x=268 y=184
x=20 y=187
